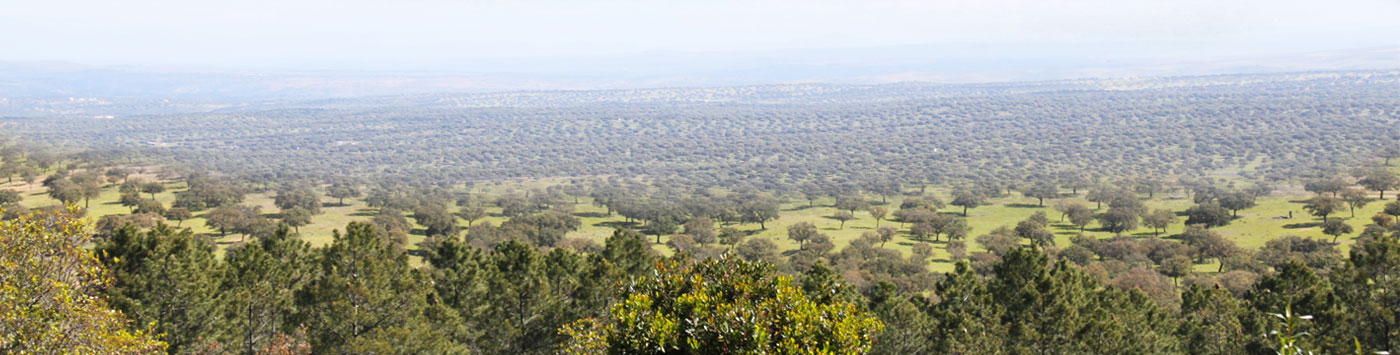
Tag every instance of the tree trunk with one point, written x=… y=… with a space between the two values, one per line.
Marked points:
x=964 y=211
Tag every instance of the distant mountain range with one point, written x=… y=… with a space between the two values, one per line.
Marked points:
x=24 y=83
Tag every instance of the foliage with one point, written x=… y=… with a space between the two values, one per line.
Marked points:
x=366 y=298
x=724 y=306
x=169 y=278
x=50 y=300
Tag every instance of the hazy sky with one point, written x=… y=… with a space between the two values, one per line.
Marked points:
x=407 y=33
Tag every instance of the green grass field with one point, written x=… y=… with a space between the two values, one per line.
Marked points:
x=1251 y=230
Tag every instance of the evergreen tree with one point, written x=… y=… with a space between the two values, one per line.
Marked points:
x=519 y=302
x=1298 y=288
x=259 y=288
x=1211 y=321
x=1366 y=289
x=627 y=251
x=968 y=320
x=169 y=278
x=367 y=299
x=907 y=327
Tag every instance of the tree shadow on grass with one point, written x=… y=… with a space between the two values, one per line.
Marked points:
x=802 y=207
x=911 y=241
x=615 y=224
x=1023 y=205
x=590 y=215
x=1302 y=225
x=363 y=212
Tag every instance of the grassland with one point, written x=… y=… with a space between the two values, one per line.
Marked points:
x=1253 y=228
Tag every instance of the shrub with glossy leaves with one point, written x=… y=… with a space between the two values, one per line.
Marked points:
x=723 y=306
x=49 y=288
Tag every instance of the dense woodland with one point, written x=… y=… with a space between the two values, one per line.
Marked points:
x=1289 y=125
x=740 y=220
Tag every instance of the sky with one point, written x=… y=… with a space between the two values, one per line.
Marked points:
x=419 y=34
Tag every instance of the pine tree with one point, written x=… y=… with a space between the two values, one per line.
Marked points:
x=628 y=252
x=1366 y=287
x=1211 y=321
x=1294 y=287
x=968 y=319
x=518 y=302
x=907 y=327
x=367 y=299
x=260 y=285
x=167 y=277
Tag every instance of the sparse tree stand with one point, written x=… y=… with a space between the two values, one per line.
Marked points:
x=1209 y=215
x=1323 y=206
x=153 y=188
x=1118 y=220
x=878 y=213
x=1336 y=228
x=471 y=214
x=843 y=216
x=1355 y=199
x=968 y=199
x=801 y=232
x=340 y=192
x=1042 y=191
x=296 y=217
x=1380 y=180
x=179 y=215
